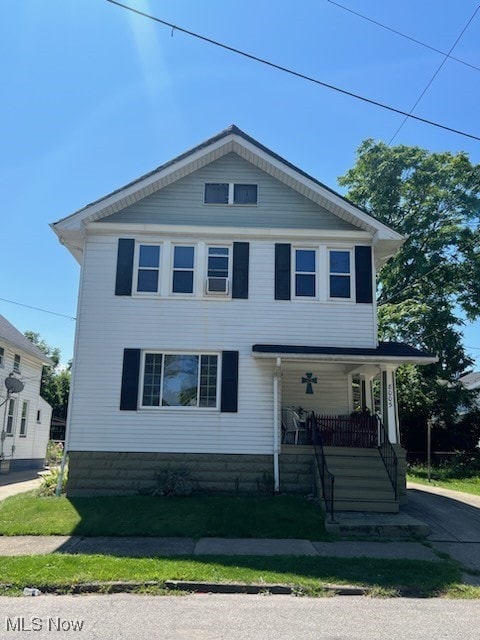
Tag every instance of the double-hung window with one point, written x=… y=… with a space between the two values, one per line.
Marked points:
x=148 y=268
x=218 y=269
x=183 y=269
x=340 y=265
x=10 y=417
x=16 y=363
x=230 y=193
x=180 y=380
x=23 y=420
x=305 y=273
x=2 y=356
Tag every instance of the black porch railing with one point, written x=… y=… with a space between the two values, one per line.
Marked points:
x=326 y=477
x=348 y=431
x=388 y=454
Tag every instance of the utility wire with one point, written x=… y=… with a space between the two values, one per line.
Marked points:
x=27 y=306
x=429 y=83
x=403 y=35
x=297 y=74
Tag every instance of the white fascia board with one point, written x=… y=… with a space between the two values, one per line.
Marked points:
x=137 y=190
x=107 y=228
x=383 y=231
x=73 y=240
x=350 y=359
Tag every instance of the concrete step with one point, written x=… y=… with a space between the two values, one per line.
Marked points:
x=373 y=506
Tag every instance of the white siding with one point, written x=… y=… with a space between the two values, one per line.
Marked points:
x=278 y=206
x=330 y=391
x=34 y=444
x=107 y=324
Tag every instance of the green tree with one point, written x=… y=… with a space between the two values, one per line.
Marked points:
x=427 y=289
x=55 y=383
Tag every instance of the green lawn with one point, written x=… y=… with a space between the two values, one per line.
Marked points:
x=308 y=575
x=468 y=485
x=198 y=516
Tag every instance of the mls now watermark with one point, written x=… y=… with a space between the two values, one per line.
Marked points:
x=42 y=624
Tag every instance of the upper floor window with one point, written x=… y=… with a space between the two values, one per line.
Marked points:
x=16 y=363
x=148 y=268
x=218 y=263
x=305 y=273
x=230 y=193
x=180 y=380
x=2 y=356
x=183 y=269
x=340 y=264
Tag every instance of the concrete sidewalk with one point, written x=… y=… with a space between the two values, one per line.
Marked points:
x=19 y=481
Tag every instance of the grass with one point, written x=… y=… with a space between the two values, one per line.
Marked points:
x=460 y=474
x=468 y=485
x=307 y=575
x=196 y=517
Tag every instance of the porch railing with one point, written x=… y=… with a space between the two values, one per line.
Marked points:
x=326 y=477
x=388 y=454
x=348 y=431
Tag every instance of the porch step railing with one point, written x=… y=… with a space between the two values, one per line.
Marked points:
x=348 y=431
x=326 y=477
x=388 y=454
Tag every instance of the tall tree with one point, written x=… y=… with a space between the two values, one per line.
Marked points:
x=427 y=289
x=55 y=383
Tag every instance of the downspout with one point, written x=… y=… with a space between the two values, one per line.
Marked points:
x=276 y=394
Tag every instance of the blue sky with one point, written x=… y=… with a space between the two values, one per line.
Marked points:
x=94 y=96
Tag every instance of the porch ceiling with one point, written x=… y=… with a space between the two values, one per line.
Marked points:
x=395 y=353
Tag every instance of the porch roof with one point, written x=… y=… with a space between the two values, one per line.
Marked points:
x=386 y=352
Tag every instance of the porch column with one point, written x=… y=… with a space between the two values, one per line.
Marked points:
x=389 y=403
x=366 y=392
x=277 y=378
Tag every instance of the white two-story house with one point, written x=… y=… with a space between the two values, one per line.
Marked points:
x=24 y=413
x=217 y=292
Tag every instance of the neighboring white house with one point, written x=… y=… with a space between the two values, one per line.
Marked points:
x=216 y=291
x=471 y=382
x=25 y=415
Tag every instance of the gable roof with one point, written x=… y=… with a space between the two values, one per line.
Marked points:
x=10 y=334
x=71 y=229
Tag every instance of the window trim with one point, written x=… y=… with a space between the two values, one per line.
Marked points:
x=294 y=273
x=167 y=352
x=22 y=432
x=350 y=275
x=193 y=270
x=11 y=416
x=231 y=201
x=2 y=357
x=17 y=363
x=136 y=268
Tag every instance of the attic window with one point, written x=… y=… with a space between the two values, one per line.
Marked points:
x=230 y=193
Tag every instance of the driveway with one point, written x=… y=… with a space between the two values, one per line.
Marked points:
x=19 y=481
x=453 y=518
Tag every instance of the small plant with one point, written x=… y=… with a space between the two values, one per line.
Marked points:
x=50 y=482
x=173 y=481
x=54 y=453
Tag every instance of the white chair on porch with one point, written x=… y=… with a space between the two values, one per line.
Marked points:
x=291 y=424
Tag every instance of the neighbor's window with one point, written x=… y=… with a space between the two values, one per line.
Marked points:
x=23 y=420
x=340 y=274
x=230 y=193
x=16 y=363
x=148 y=268
x=180 y=380
x=183 y=269
x=10 y=417
x=2 y=356
x=305 y=273
x=39 y=416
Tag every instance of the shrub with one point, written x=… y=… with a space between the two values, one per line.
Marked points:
x=54 y=453
x=173 y=481
x=50 y=481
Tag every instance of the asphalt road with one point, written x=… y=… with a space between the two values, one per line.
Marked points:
x=215 y=617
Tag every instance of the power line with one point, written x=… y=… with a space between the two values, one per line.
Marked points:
x=27 y=306
x=297 y=74
x=404 y=35
x=434 y=75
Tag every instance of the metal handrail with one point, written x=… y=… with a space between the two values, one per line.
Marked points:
x=327 y=478
x=388 y=454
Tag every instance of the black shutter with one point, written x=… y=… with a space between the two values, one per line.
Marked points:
x=229 y=391
x=241 y=252
x=123 y=283
x=130 y=378
x=282 y=271
x=363 y=274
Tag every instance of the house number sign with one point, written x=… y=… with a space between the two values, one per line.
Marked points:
x=390 y=395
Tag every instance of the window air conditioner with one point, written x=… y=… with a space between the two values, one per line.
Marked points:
x=218 y=286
